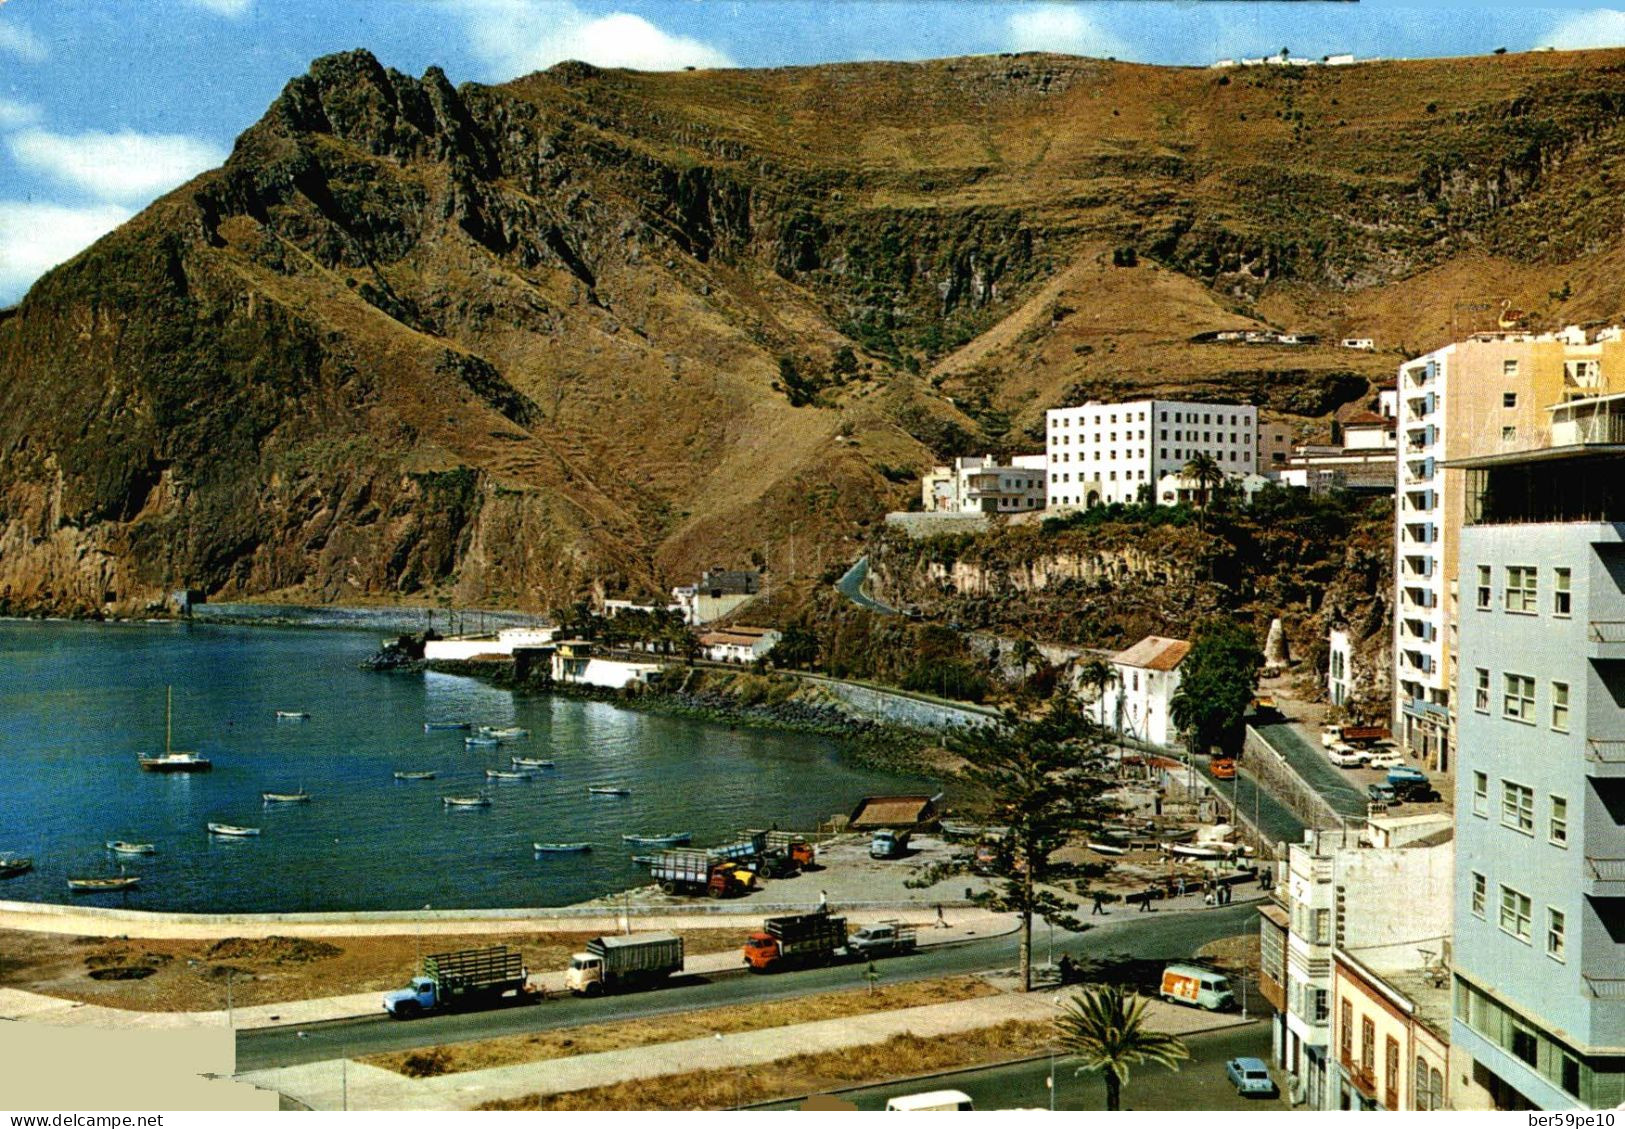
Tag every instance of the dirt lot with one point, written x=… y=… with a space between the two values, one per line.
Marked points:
x=459 y=1057
x=174 y=975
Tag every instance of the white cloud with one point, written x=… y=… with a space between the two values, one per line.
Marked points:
x=515 y=37
x=15 y=115
x=1062 y=28
x=127 y=167
x=21 y=42
x=36 y=237
x=1601 y=27
x=232 y=9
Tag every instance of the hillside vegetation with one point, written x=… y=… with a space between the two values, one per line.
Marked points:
x=599 y=329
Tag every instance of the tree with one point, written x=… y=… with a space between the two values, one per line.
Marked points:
x=1107 y=1032
x=797 y=647
x=1205 y=471
x=1024 y=652
x=1216 y=685
x=1044 y=779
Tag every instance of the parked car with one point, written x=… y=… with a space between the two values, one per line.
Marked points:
x=1250 y=1076
x=1417 y=792
x=1385 y=758
x=1381 y=794
x=1345 y=756
x=1222 y=768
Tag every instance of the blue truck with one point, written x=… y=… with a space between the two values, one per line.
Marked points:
x=470 y=978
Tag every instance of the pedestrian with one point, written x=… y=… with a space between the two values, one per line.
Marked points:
x=941 y=924
x=823 y=901
x=1100 y=904
x=1208 y=899
x=1145 y=900
x=1224 y=894
x=1182 y=885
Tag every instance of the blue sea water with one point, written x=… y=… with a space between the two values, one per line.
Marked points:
x=79 y=702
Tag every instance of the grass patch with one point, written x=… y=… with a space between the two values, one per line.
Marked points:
x=900 y=1056
x=597 y=1038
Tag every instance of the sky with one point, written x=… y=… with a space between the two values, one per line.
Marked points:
x=107 y=104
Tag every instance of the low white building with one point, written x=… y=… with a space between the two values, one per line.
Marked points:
x=718 y=593
x=739 y=644
x=498 y=646
x=613 y=608
x=1145 y=679
x=1339 y=667
x=1365 y=344
x=1178 y=489
x=977 y=484
x=575 y=664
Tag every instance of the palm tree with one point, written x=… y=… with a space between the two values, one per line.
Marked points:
x=1107 y=1031
x=1208 y=475
x=1024 y=652
x=1099 y=674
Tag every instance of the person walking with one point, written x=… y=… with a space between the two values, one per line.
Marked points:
x=1145 y=900
x=1182 y=885
x=1100 y=904
x=823 y=901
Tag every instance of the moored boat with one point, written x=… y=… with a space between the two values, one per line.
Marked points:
x=481 y=742
x=120 y=847
x=13 y=865
x=607 y=790
x=507 y=774
x=504 y=733
x=232 y=831
x=104 y=884
x=292 y=715
x=530 y=762
x=1205 y=850
x=562 y=848
x=440 y=726
x=1106 y=848
x=670 y=839
x=466 y=801
x=171 y=761
x=414 y=776
x=299 y=797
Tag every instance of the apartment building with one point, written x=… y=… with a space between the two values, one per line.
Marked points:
x=1491 y=393
x=1103 y=453
x=1539 y=1010
x=1391 y=1028
x=979 y=485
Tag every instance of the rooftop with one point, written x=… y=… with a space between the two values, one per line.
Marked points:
x=1154 y=653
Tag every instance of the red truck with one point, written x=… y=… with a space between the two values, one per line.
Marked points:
x=796 y=941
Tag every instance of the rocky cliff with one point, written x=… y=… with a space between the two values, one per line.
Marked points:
x=504 y=344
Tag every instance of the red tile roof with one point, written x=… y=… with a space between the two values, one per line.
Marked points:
x=1154 y=653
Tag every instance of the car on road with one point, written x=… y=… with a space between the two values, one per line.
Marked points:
x=1385 y=758
x=1345 y=756
x=1381 y=794
x=1222 y=768
x=1250 y=1076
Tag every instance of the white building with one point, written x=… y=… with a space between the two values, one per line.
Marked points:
x=739 y=644
x=979 y=485
x=1177 y=489
x=613 y=608
x=1145 y=678
x=1340 y=684
x=1103 y=453
x=719 y=593
x=574 y=663
x=498 y=646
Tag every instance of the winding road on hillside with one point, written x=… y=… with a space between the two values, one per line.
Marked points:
x=851 y=586
x=1159 y=936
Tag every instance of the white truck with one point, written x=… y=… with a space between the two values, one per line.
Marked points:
x=636 y=960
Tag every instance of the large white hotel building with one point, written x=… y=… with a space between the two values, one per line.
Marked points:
x=1103 y=453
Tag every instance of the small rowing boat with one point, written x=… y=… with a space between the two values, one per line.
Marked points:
x=13 y=865
x=670 y=839
x=232 y=831
x=504 y=733
x=530 y=762
x=120 y=847
x=506 y=774
x=105 y=884
x=414 y=776
x=481 y=742
x=292 y=715
x=562 y=848
x=299 y=797
x=466 y=801
x=645 y=860
x=1106 y=848
x=439 y=726
x=607 y=790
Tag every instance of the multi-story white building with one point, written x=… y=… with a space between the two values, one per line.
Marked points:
x=979 y=485
x=1144 y=680
x=1103 y=453
x=1540 y=797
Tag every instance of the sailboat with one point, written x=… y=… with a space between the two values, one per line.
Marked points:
x=172 y=761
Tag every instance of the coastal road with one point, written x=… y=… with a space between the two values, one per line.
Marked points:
x=1199 y=1083
x=1162 y=936
x=851 y=586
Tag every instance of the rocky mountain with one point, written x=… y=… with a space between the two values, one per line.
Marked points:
x=503 y=344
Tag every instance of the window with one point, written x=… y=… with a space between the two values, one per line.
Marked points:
x=1509 y=434
x=1481 y=690
x=1519 y=703
x=1560 y=706
x=1485 y=583
x=1481 y=794
x=1479 y=888
x=1521 y=596
x=1345 y=1034
x=1517 y=807
x=1515 y=913
x=1509 y=399
x=1558 y=832
x=1560 y=592
x=1368 y=1044
x=1509 y=368
x=1555 y=925
x=1323 y=1005
x=1525 y=1044
x=1323 y=927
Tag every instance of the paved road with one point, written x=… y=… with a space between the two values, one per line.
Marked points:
x=1276 y=821
x=1150 y=937
x=851 y=586
x=1199 y=1084
x=1314 y=769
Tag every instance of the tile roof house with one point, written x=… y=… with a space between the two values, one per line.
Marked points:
x=1146 y=677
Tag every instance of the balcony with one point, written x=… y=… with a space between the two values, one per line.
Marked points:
x=1606 y=639
x=1364 y=1078
x=1604 y=877
x=1605 y=758
x=1605 y=988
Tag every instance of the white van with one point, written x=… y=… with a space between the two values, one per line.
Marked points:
x=935 y=1099
x=1197 y=986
